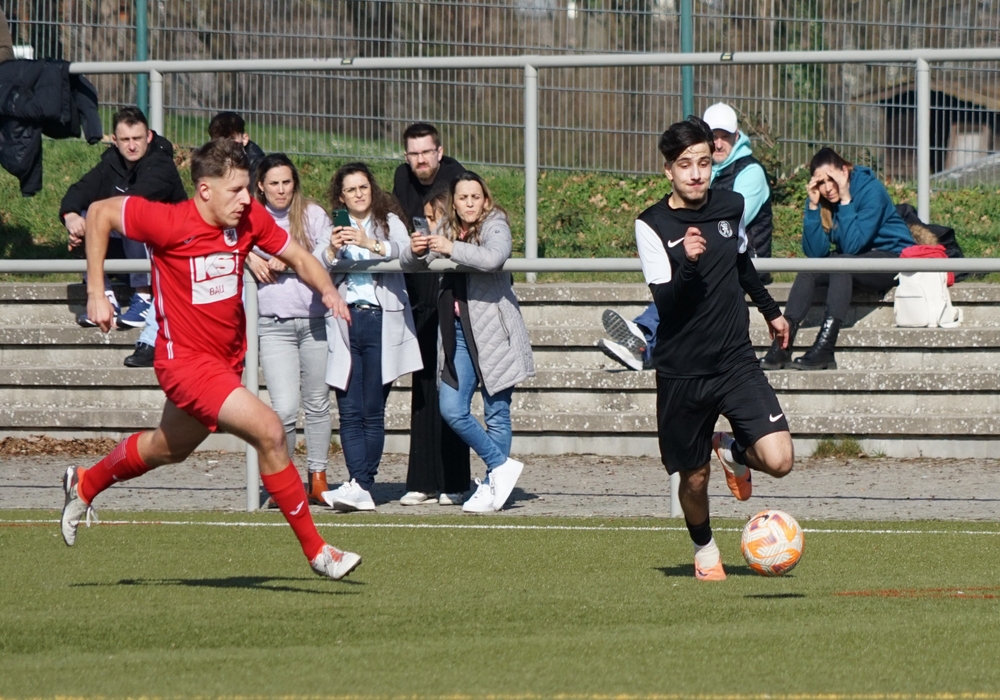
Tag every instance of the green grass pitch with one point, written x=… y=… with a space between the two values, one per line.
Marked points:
x=460 y=607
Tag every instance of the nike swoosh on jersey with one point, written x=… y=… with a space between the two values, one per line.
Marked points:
x=298 y=508
x=775 y=419
x=671 y=244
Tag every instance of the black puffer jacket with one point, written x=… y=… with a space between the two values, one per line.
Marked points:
x=41 y=97
x=154 y=177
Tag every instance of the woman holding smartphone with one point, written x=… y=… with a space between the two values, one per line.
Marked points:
x=381 y=343
x=485 y=341
x=292 y=327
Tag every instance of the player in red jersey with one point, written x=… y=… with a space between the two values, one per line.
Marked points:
x=198 y=249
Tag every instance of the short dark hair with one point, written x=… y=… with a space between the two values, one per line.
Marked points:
x=226 y=125
x=683 y=135
x=420 y=130
x=218 y=158
x=129 y=116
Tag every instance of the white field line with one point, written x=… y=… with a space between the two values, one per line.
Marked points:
x=570 y=528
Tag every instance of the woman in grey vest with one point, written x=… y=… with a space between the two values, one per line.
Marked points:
x=485 y=341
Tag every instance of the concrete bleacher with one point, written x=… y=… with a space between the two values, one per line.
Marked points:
x=901 y=392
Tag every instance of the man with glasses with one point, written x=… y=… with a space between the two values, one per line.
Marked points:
x=439 y=460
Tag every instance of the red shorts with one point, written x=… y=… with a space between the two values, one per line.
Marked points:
x=199 y=384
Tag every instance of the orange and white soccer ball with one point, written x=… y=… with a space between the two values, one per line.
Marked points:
x=772 y=543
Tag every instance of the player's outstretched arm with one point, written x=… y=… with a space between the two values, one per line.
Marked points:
x=315 y=275
x=102 y=217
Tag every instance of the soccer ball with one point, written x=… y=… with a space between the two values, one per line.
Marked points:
x=772 y=543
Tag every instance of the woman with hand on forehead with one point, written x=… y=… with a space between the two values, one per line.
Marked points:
x=381 y=343
x=849 y=214
x=485 y=341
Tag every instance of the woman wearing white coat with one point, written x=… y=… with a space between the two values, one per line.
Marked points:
x=381 y=343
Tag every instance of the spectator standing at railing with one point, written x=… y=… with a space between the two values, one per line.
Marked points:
x=6 y=40
x=381 y=343
x=438 y=467
x=199 y=248
x=734 y=168
x=849 y=214
x=485 y=341
x=139 y=162
x=230 y=125
x=292 y=324
x=695 y=258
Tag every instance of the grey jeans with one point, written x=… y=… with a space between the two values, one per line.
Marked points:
x=293 y=356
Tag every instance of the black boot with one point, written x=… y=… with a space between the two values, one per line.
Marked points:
x=820 y=355
x=776 y=358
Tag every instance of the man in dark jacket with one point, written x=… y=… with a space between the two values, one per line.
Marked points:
x=140 y=163
x=230 y=125
x=439 y=460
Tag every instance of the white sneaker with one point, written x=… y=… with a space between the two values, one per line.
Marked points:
x=621 y=354
x=333 y=563
x=451 y=499
x=503 y=479
x=417 y=498
x=482 y=500
x=74 y=509
x=623 y=331
x=349 y=497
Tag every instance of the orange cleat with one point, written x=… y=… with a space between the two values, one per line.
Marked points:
x=739 y=485
x=715 y=573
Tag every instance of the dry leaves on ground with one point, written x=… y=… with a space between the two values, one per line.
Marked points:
x=45 y=445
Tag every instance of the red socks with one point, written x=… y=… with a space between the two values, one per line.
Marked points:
x=122 y=464
x=288 y=493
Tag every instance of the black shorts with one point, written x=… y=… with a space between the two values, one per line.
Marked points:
x=687 y=409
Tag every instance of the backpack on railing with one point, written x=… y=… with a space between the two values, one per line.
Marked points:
x=922 y=300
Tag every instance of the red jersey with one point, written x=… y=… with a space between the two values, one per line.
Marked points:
x=198 y=273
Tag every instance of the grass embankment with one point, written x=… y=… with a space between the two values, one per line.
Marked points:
x=580 y=214
x=450 y=607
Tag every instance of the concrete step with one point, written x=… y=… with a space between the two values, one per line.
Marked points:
x=804 y=425
x=549 y=380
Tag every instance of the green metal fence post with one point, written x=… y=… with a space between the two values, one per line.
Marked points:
x=687 y=46
x=142 y=54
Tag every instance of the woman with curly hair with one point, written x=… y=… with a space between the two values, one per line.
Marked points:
x=485 y=341
x=381 y=343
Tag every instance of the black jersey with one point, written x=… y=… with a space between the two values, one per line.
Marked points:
x=704 y=324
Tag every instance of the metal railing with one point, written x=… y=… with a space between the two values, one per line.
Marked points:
x=531 y=65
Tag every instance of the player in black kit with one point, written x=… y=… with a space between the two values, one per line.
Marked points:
x=693 y=249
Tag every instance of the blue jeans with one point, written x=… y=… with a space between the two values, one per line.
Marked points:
x=492 y=444
x=148 y=335
x=293 y=357
x=648 y=321
x=362 y=405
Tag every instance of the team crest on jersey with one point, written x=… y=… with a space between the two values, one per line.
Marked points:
x=725 y=230
x=230 y=236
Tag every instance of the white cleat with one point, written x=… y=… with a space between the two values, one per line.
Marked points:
x=335 y=564
x=74 y=509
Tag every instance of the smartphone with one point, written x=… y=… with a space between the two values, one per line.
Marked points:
x=341 y=218
x=420 y=226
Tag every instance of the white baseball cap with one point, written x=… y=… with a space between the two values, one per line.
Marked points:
x=721 y=116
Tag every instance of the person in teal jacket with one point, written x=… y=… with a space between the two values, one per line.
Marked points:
x=848 y=214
